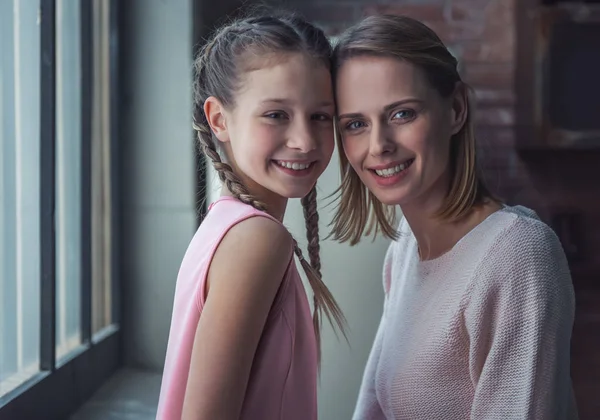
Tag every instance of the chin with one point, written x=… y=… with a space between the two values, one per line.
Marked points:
x=391 y=198
x=295 y=194
x=388 y=201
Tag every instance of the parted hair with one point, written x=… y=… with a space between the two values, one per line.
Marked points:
x=359 y=212
x=218 y=68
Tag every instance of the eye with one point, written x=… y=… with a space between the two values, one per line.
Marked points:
x=405 y=114
x=354 y=125
x=321 y=117
x=277 y=115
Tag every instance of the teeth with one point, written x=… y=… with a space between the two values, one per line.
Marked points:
x=392 y=171
x=293 y=165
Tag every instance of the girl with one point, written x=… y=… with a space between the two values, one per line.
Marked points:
x=242 y=343
x=479 y=302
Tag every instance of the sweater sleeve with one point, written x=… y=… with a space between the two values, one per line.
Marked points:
x=519 y=319
x=367 y=405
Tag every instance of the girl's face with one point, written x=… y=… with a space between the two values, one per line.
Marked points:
x=396 y=129
x=279 y=133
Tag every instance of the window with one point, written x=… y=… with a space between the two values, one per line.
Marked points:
x=59 y=335
x=19 y=192
x=68 y=177
x=102 y=204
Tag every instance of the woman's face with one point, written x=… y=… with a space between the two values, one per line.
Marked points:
x=396 y=129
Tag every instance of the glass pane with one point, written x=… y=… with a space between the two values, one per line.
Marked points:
x=101 y=191
x=19 y=192
x=68 y=177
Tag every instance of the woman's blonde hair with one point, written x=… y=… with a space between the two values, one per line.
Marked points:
x=218 y=68
x=359 y=212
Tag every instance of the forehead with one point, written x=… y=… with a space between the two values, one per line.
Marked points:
x=289 y=75
x=366 y=82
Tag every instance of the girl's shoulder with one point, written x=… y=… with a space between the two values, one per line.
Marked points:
x=252 y=249
x=233 y=218
x=226 y=209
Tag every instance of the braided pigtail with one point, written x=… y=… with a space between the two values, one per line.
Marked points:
x=218 y=68
x=323 y=300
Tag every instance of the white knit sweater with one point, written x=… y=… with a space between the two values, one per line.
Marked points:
x=482 y=332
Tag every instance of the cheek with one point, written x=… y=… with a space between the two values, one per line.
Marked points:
x=422 y=137
x=327 y=142
x=438 y=146
x=354 y=151
x=261 y=141
x=435 y=151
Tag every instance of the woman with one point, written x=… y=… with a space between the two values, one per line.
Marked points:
x=479 y=302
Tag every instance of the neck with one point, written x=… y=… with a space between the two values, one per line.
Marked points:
x=275 y=204
x=429 y=231
x=435 y=236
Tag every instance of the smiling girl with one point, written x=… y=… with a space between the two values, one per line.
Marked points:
x=243 y=343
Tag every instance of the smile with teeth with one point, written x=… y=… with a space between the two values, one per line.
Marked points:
x=296 y=166
x=385 y=173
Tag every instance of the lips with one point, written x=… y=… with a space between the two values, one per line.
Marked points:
x=391 y=169
x=391 y=174
x=294 y=165
x=298 y=169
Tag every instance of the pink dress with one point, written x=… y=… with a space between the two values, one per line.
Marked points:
x=283 y=378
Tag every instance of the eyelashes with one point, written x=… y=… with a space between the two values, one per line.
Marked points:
x=280 y=115
x=401 y=116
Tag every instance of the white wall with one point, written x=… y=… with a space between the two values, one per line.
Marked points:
x=158 y=169
x=161 y=218
x=354 y=276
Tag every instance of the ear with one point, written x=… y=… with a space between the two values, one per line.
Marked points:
x=460 y=107
x=215 y=115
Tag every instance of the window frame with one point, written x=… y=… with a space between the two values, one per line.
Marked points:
x=60 y=388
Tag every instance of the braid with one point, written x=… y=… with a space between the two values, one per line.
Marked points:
x=311 y=217
x=218 y=67
x=226 y=174
x=323 y=300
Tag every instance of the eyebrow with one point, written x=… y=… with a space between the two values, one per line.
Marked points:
x=288 y=102
x=386 y=108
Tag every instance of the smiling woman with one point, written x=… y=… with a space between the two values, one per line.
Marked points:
x=478 y=295
x=402 y=120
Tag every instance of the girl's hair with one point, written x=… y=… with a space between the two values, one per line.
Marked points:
x=238 y=47
x=359 y=211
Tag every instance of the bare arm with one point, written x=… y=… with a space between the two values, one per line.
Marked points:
x=244 y=277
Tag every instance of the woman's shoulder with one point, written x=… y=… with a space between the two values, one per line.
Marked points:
x=525 y=233
x=525 y=264
x=525 y=250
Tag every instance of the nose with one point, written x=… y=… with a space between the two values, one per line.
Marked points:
x=301 y=137
x=380 y=141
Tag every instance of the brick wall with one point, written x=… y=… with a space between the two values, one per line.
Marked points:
x=483 y=36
